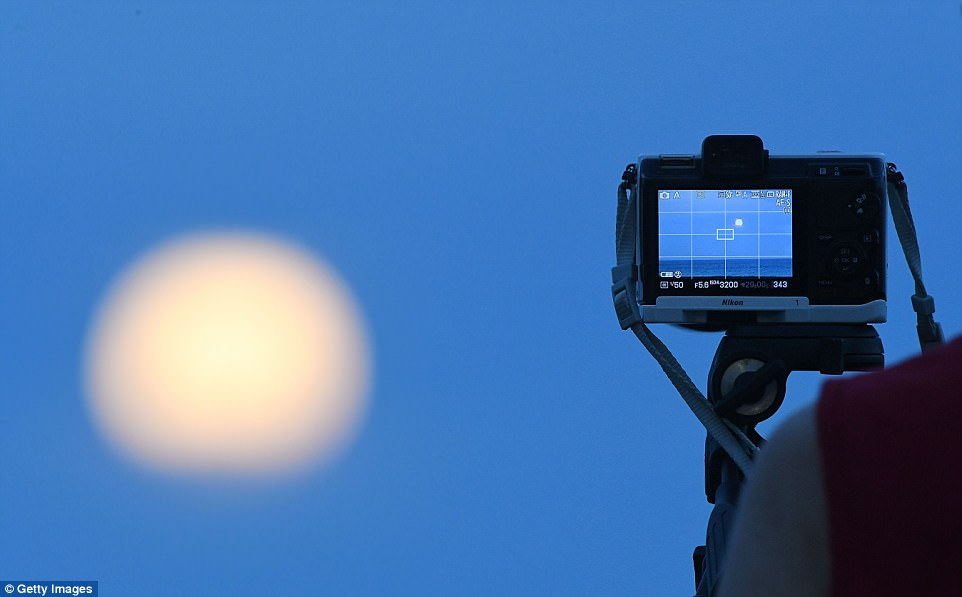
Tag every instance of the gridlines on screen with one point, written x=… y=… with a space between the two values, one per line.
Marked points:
x=725 y=233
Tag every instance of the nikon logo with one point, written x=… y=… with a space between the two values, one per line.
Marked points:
x=732 y=303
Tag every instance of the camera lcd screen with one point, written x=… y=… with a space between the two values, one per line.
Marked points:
x=724 y=234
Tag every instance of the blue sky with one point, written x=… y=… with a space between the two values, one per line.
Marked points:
x=457 y=164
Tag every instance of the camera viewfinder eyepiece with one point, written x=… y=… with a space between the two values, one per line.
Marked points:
x=733 y=156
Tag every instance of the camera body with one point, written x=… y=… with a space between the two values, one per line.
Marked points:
x=735 y=236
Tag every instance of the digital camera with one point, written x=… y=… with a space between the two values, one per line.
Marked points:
x=734 y=235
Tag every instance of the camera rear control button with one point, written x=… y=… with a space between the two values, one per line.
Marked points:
x=825 y=237
x=820 y=169
x=825 y=287
x=869 y=281
x=847 y=259
x=865 y=205
x=869 y=238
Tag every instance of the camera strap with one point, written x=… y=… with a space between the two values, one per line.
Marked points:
x=732 y=439
x=929 y=330
x=624 y=275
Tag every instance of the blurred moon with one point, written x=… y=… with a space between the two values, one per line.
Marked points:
x=228 y=353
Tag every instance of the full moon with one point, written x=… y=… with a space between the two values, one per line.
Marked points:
x=228 y=353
